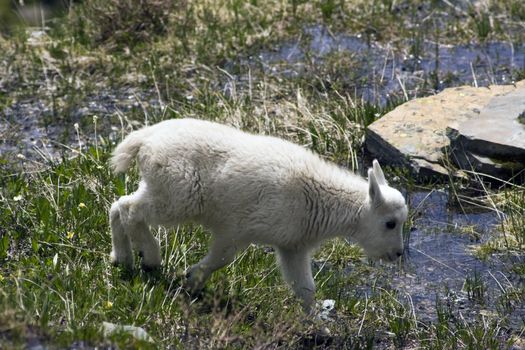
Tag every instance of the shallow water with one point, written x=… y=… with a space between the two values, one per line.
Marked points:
x=383 y=72
x=440 y=258
x=30 y=128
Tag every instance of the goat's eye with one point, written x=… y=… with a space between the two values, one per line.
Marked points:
x=391 y=225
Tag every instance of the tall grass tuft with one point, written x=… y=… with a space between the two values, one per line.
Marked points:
x=121 y=23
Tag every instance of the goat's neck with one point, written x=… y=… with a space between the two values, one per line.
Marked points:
x=338 y=206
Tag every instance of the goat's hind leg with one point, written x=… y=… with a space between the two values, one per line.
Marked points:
x=133 y=212
x=148 y=247
x=121 y=253
x=221 y=253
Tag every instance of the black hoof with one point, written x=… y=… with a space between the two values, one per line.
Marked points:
x=150 y=269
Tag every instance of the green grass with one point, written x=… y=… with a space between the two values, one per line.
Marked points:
x=56 y=283
x=58 y=286
x=511 y=237
x=57 y=280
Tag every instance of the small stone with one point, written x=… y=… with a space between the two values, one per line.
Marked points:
x=137 y=332
x=521 y=117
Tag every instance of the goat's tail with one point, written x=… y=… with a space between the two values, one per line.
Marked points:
x=127 y=150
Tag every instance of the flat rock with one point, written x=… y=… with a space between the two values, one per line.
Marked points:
x=414 y=135
x=493 y=143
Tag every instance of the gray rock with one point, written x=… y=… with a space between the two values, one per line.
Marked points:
x=493 y=143
x=415 y=134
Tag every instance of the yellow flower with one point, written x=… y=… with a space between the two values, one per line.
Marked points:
x=108 y=305
x=70 y=234
x=81 y=205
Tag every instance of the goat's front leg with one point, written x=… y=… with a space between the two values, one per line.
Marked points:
x=297 y=272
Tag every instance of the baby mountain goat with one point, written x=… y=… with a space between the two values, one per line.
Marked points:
x=248 y=189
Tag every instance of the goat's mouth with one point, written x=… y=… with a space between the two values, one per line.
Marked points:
x=389 y=257
x=392 y=257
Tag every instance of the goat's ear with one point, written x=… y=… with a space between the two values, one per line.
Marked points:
x=374 y=192
x=380 y=176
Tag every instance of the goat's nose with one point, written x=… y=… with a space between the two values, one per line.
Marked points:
x=399 y=254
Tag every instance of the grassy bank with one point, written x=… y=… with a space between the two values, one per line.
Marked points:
x=89 y=78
